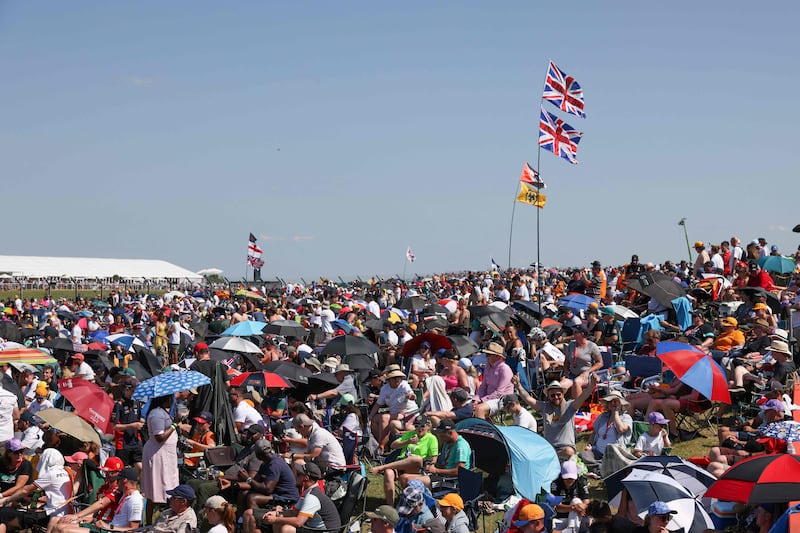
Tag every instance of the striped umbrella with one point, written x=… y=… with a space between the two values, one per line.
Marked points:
x=26 y=355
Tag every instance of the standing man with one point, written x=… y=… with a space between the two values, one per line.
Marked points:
x=597 y=285
x=128 y=422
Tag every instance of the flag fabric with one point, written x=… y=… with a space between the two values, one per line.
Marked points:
x=254 y=253
x=531 y=176
x=563 y=91
x=531 y=195
x=558 y=137
x=410 y=255
x=495 y=266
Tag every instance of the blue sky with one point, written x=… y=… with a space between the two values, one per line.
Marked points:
x=340 y=133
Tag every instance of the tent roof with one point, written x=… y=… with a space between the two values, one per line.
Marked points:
x=91 y=268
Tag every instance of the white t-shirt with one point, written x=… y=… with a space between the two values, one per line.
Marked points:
x=57 y=487
x=648 y=443
x=522 y=293
x=37 y=406
x=219 y=528
x=8 y=401
x=397 y=399
x=525 y=419
x=247 y=415
x=85 y=371
x=130 y=510
x=77 y=334
x=327 y=317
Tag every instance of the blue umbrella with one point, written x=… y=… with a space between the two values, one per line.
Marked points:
x=785 y=430
x=169 y=383
x=777 y=263
x=343 y=324
x=124 y=340
x=248 y=328
x=576 y=302
x=98 y=335
x=85 y=313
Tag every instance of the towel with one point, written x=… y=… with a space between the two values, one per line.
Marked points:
x=683 y=310
x=438 y=399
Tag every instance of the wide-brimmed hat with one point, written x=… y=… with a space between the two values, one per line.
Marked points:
x=387 y=513
x=554 y=385
x=614 y=395
x=343 y=367
x=494 y=349
x=395 y=374
x=780 y=347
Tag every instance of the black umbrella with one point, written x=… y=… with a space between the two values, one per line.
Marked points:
x=8 y=383
x=464 y=346
x=200 y=328
x=345 y=345
x=65 y=315
x=796 y=229
x=218 y=326
x=412 y=303
x=360 y=362
x=147 y=358
x=772 y=300
x=287 y=328
x=139 y=370
x=316 y=383
x=288 y=370
x=532 y=308
x=60 y=343
x=431 y=322
x=376 y=324
x=658 y=286
x=27 y=333
x=10 y=332
x=434 y=310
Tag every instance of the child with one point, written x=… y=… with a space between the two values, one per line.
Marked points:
x=655 y=439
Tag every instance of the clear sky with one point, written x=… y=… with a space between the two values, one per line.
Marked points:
x=340 y=133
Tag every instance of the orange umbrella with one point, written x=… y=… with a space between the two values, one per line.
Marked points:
x=26 y=355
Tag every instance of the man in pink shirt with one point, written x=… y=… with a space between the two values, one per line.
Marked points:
x=496 y=382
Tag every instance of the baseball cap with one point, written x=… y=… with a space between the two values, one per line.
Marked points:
x=254 y=429
x=773 y=405
x=131 y=474
x=347 y=399
x=78 y=356
x=387 y=513
x=607 y=311
x=182 y=491
x=204 y=417
x=657 y=418
x=14 y=445
x=200 y=346
x=659 y=507
x=311 y=470
x=76 y=458
x=409 y=501
x=510 y=398
x=444 y=425
x=215 y=502
x=528 y=513
x=759 y=305
x=563 y=310
x=42 y=388
x=459 y=394
x=28 y=417
x=434 y=525
x=580 y=328
x=113 y=464
x=729 y=322
x=569 y=470
x=452 y=500
x=421 y=421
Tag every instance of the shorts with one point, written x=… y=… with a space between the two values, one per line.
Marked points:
x=27 y=519
x=130 y=456
x=494 y=406
x=258 y=514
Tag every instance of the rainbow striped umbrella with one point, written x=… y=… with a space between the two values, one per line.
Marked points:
x=26 y=355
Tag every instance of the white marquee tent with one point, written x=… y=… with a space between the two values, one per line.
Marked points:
x=91 y=268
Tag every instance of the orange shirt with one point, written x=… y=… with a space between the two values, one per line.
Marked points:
x=729 y=339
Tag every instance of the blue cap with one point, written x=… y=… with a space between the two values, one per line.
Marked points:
x=182 y=491
x=658 y=507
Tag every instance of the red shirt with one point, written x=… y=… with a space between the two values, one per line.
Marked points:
x=761 y=279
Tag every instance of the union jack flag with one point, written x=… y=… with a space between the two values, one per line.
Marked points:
x=558 y=137
x=563 y=91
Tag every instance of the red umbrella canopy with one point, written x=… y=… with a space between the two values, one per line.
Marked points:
x=260 y=379
x=91 y=402
x=696 y=369
x=436 y=341
x=762 y=479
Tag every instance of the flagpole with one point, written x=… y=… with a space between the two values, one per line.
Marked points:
x=538 y=209
x=511 y=228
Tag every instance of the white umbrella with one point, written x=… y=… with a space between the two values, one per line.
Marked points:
x=235 y=344
x=691 y=517
x=174 y=294
x=210 y=272
x=623 y=313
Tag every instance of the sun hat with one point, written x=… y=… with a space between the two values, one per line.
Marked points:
x=314 y=363
x=614 y=395
x=331 y=362
x=554 y=385
x=780 y=347
x=387 y=513
x=657 y=418
x=659 y=507
x=395 y=374
x=761 y=323
x=494 y=349
x=569 y=470
x=451 y=500
x=528 y=513
x=343 y=367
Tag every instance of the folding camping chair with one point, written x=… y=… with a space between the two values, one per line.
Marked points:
x=697 y=416
x=629 y=334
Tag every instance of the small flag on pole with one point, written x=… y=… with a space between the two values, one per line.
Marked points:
x=495 y=266
x=254 y=253
x=531 y=176
x=531 y=196
x=410 y=255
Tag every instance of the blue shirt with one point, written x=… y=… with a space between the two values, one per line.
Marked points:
x=277 y=470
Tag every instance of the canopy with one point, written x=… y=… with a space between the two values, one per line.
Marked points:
x=534 y=464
